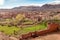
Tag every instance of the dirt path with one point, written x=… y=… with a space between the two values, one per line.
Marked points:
x=52 y=36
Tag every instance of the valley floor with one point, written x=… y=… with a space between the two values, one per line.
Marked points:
x=52 y=36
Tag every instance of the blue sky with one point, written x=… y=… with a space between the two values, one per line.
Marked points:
x=15 y=3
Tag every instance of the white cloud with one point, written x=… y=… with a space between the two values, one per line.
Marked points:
x=32 y=4
x=54 y=2
x=1 y=2
x=36 y=4
x=58 y=0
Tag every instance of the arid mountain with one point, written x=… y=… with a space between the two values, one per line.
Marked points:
x=28 y=8
x=51 y=6
x=47 y=11
x=33 y=8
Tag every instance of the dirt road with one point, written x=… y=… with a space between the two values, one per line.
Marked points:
x=52 y=36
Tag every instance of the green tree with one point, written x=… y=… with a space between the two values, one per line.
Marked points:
x=18 y=19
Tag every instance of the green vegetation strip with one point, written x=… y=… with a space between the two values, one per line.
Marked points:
x=33 y=28
x=11 y=30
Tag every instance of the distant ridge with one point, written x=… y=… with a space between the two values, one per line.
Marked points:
x=34 y=8
x=50 y=6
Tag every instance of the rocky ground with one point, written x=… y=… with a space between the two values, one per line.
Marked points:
x=52 y=36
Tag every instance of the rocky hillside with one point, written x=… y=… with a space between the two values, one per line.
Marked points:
x=51 y=6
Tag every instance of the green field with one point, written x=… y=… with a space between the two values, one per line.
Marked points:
x=33 y=28
x=12 y=29
x=9 y=30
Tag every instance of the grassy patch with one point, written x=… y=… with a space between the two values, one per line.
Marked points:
x=11 y=30
x=32 y=28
